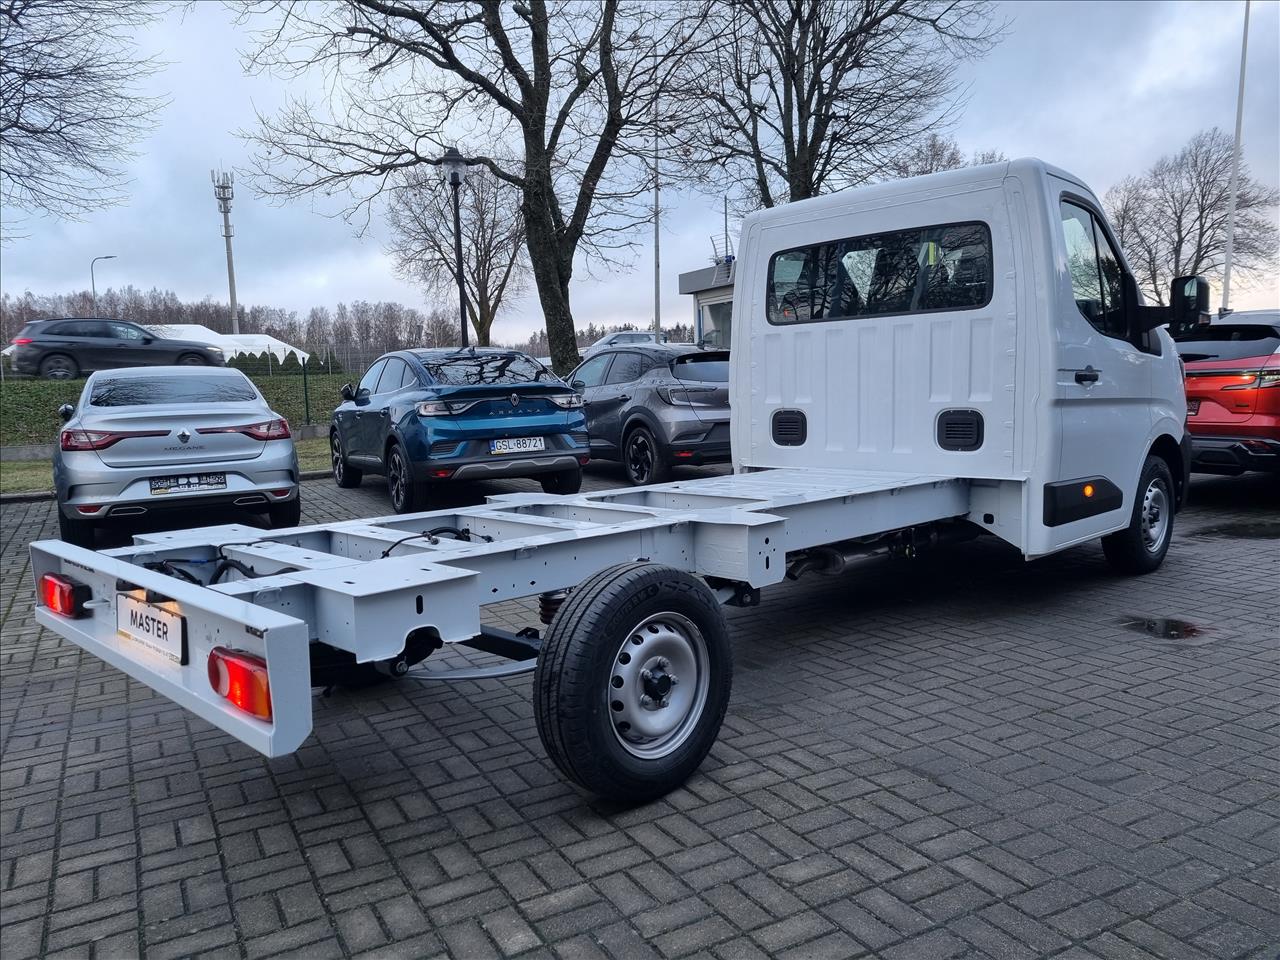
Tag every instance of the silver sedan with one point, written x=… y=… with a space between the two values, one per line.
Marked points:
x=144 y=440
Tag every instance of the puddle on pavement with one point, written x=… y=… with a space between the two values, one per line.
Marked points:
x=1242 y=530
x=1181 y=632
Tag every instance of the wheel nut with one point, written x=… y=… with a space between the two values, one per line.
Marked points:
x=646 y=674
x=672 y=677
x=646 y=700
x=663 y=662
x=665 y=701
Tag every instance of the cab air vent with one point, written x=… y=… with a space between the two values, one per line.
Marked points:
x=960 y=430
x=790 y=429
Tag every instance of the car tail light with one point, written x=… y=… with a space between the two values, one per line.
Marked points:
x=568 y=401
x=266 y=430
x=101 y=439
x=1268 y=380
x=1249 y=380
x=684 y=396
x=64 y=596
x=683 y=454
x=444 y=408
x=21 y=341
x=242 y=679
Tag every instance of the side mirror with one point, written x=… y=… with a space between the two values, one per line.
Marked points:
x=66 y=411
x=1188 y=305
x=578 y=386
x=348 y=392
x=148 y=339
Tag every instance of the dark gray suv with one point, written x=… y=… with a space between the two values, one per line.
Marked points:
x=656 y=405
x=67 y=348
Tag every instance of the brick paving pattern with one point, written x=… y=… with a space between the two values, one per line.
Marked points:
x=960 y=756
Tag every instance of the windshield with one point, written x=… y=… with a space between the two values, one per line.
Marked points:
x=466 y=369
x=1230 y=341
x=194 y=388
x=706 y=367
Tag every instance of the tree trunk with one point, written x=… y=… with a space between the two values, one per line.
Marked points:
x=552 y=270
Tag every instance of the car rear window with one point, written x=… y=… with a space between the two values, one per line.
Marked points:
x=194 y=388
x=707 y=367
x=1230 y=341
x=466 y=369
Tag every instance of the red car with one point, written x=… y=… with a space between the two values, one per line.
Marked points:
x=1233 y=393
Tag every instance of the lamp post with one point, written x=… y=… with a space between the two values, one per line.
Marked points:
x=454 y=165
x=93 y=283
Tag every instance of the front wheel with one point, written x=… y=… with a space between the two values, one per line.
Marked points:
x=562 y=481
x=191 y=360
x=1140 y=547
x=633 y=681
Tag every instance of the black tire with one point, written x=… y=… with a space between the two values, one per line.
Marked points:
x=562 y=481
x=1140 y=547
x=287 y=514
x=192 y=360
x=407 y=496
x=582 y=699
x=344 y=475
x=643 y=458
x=78 y=533
x=59 y=366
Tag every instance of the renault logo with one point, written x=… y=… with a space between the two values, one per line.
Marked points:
x=515 y=399
x=184 y=435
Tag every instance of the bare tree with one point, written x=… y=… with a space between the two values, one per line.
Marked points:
x=794 y=97
x=1172 y=221
x=71 y=104
x=936 y=152
x=568 y=89
x=494 y=264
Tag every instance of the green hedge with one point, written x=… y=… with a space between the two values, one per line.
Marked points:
x=29 y=408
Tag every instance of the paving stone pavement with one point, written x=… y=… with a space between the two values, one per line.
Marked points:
x=961 y=756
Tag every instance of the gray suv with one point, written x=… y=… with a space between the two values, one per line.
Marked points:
x=655 y=405
x=68 y=348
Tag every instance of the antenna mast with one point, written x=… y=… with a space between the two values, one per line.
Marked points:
x=224 y=192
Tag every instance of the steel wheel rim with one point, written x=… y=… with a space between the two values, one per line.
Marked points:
x=395 y=473
x=1155 y=516
x=666 y=645
x=335 y=452
x=58 y=368
x=640 y=457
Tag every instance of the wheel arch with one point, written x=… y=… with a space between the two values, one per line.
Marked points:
x=1170 y=451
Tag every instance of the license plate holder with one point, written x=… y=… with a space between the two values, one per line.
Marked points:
x=187 y=483
x=509 y=445
x=153 y=627
x=1193 y=407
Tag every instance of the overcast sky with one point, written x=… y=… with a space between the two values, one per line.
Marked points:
x=1102 y=89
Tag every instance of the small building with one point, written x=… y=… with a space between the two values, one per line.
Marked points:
x=712 y=291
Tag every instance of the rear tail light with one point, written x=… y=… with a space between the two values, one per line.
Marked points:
x=1249 y=380
x=683 y=454
x=242 y=679
x=568 y=401
x=21 y=341
x=444 y=408
x=442 y=473
x=101 y=439
x=1269 y=380
x=64 y=596
x=685 y=396
x=266 y=430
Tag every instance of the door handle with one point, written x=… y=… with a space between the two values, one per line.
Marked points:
x=623 y=398
x=1087 y=375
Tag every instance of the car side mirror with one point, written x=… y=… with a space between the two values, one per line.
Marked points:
x=578 y=386
x=65 y=412
x=1188 y=305
x=148 y=339
x=348 y=392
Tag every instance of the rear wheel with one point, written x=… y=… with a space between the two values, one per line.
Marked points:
x=407 y=496
x=1141 y=546
x=344 y=475
x=59 y=366
x=643 y=457
x=191 y=360
x=287 y=514
x=562 y=481
x=78 y=533
x=633 y=681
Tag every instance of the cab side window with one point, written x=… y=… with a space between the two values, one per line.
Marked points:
x=1096 y=279
x=392 y=375
x=626 y=368
x=591 y=373
x=370 y=380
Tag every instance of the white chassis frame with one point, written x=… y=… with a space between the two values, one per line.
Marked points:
x=346 y=594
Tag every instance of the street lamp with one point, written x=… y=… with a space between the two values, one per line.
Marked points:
x=93 y=284
x=454 y=165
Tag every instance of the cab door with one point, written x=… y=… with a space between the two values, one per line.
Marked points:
x=1103 y=384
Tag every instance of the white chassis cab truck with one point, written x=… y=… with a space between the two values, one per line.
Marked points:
x=937 y=358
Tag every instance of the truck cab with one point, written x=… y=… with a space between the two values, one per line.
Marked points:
x=978 y=323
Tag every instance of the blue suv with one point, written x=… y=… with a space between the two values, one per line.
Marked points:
x=421 y=417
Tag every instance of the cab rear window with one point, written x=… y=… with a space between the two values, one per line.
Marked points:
x=921 y=270
x=196 y=388
x=1230 y=341
x=465 y=369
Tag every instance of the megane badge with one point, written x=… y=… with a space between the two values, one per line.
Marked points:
x=184 y=435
